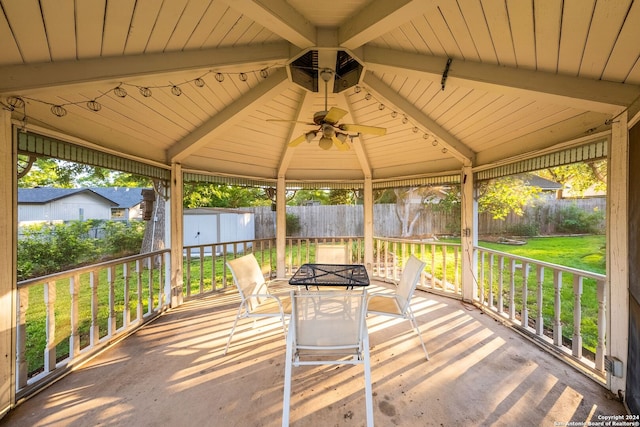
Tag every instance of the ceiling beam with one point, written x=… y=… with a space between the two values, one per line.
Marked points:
x=230 y=116
x=280 y=18
x=455 y=147
x=358 y=145
x=575 y=92
x=16 y=79
x=377 y=18
x=297 y=129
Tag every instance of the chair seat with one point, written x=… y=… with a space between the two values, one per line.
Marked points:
x=384 y=304
x=270 y=306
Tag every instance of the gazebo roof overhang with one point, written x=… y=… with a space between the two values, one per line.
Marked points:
x=209 y=84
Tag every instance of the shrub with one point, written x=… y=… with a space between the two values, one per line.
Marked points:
x=293 y=224
x=572 y=219
x=49 y=248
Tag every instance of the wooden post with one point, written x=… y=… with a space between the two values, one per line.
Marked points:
x=177 y=239
x=8 y=260
x=618 y=249
x=281 y=227
x=469 y=235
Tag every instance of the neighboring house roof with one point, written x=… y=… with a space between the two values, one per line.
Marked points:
x=536 y=181
x=42 y=195
x=121 y=197
x=125 y=197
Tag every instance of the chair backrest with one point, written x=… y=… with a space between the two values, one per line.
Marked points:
x=408 y=281
x=332 y=254
x=328 y=320
x=248 y=277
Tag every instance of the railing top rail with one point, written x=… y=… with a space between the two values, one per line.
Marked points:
x=87 y=268
x=409 y=240
x=230 y=242
x=584 y=273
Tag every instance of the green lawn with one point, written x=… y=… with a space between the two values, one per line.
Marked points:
x=581 y=252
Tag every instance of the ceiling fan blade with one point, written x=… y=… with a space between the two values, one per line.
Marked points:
x=342 y=146
x=334 y=115
x=299 y=140
x=371 y=130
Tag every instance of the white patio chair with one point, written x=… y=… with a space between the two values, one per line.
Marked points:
x=323 y=330
x=398 y=304
x=255 y=299
x=332 y=254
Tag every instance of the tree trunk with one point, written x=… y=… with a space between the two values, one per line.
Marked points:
x=154 y=232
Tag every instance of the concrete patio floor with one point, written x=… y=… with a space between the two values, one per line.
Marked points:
x=172 y=372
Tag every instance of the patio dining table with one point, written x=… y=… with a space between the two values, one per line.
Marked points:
x=318 y=275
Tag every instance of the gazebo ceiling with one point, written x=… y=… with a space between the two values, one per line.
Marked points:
x=214 y=85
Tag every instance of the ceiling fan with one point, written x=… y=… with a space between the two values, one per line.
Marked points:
x=332 y=133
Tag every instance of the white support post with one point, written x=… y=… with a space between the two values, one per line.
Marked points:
x=618 y=250
x=368 y=224
x=8 y=260
x=469 y=235
x=281 y=227
x=176 y=226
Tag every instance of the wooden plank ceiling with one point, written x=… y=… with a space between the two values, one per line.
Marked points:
x=207 y=82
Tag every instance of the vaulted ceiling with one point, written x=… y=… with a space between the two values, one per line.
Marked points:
x=222 y=87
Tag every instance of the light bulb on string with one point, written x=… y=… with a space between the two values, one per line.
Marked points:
x=120 y=91
x=220 y=77
x=176 y=90
x=145 y=91
x=264 y=73
x=58 y=110
x=199 y=82
x=94 y=105
x=242 y=77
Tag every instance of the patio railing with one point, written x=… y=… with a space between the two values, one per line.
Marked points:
x=66 y=317
x=560 y=306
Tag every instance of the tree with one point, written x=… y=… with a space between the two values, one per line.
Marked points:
x=579 y=176
x=503 y=195
x=197 y=195
x=410 y=203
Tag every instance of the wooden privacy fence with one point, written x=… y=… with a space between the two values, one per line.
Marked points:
x=347 y=220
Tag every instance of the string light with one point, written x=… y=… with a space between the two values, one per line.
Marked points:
x=145 y=91
x=59 y=110
x=94 y=106
x=120 y=91
x=405 y=119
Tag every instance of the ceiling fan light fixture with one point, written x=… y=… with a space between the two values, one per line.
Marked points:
x=342 y=137
x=310 y=135
x=325 y=143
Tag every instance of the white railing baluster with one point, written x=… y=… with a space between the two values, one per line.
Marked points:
x=490 y=284
x=50 y=326
x=21 y=339
x=501 y=284
x=74 y=339
x=576 y=341
x=539 y=301
x=94 y=332
x=111 y=279
x=512 y=289
x=139 y=308
x=602 y=323
x=525 y=291
x=557 y=307
x=126 y=310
